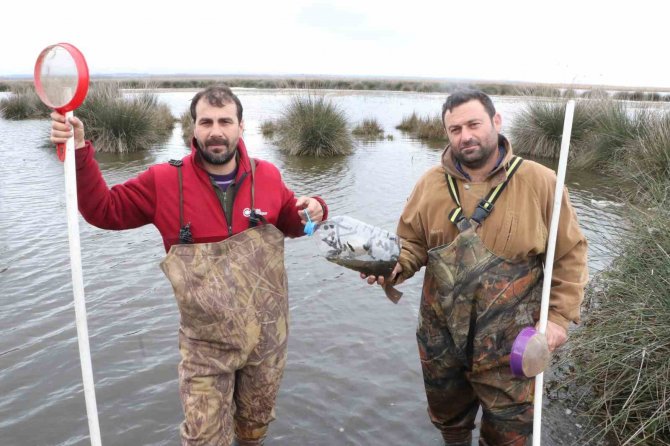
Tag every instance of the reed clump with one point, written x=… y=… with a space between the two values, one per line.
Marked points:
x=368 y=128
x=538 y=128
x=268 y=128
x=615 y=126
x=622 y=353
x=603 y=130
x=313 y=126
x=644 y=162
x=428 y=128
x=23 y=103
x=186 y=122
x=117 y=123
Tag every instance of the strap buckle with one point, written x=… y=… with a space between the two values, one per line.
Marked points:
x=185 y=235
x=255 y=219
x=483 y=210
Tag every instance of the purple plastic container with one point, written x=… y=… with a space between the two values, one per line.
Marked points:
x=530 y=353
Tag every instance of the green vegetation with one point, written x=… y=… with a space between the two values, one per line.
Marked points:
x=124 y=124
x=623 y=351
x=538 y=128
x=426 y=128
x=268 y=128
x=621 y=355
x=640 y=96
x=646 y=163
x=423 y=86
x=186 y=122
x=602 y=130
x=369 y=129
x=313 y=126
x=23 y=103
x=615 y=126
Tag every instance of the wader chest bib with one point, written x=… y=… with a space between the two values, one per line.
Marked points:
x=233 y=302
x=473 y=305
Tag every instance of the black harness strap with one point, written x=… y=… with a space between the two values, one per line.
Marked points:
x=485 y=206
x=185 y=235
x=456 y=214
x=254 y=217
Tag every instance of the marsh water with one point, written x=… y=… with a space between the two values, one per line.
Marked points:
x=353 y=375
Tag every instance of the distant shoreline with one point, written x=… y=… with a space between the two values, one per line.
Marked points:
x=407 y=84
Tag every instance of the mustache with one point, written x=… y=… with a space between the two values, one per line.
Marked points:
x=469 y=142
x=216 y=141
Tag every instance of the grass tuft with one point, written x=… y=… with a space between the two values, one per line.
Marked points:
x=538 y=128
x=121 y=124
x=23 y=103
x=268 y=128
x=186 y=127
x=313 y=126
x=425 y=128
x=623 y=351
x=369 y=129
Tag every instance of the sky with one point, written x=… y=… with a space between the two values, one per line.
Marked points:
x=545 y=41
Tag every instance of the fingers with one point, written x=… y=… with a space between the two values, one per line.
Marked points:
x=556 y=335
x=312 y=207
x=62 y=130
x=301 y=202
x=371 y=280
x=396 y=275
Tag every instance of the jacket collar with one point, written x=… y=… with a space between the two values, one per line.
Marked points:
x=498 y=174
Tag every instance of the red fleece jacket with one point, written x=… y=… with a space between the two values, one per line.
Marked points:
x=153 y=197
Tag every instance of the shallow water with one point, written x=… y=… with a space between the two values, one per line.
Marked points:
x=353 y=375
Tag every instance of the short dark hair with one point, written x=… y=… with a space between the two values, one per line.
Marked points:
x=460 y=97
x=218 y=96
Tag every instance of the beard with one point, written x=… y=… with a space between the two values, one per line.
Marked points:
x=217 y=158
x=478 y=157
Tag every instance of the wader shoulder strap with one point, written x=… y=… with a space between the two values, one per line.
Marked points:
x=456 y=214
x=485 y=206
x=254 y=217
x=185 y=236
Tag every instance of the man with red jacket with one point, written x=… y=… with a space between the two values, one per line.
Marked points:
x=223 y=217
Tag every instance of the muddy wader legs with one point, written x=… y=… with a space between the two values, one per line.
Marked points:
x=256 y=389
x=212 y=391
x=453 y=400
x=454 y=393
x=206 y=392
x=507 y=403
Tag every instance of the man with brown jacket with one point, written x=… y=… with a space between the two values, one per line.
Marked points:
x=479 y=222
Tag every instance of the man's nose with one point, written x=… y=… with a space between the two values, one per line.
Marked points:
x=466 y=134
x=217 y=130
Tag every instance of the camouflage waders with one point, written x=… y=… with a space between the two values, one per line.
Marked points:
x=233 y=302
x=473 y=305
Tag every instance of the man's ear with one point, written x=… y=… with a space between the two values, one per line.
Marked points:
x=497 y=122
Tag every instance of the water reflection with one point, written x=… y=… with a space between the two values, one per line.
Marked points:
x=306 y=173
